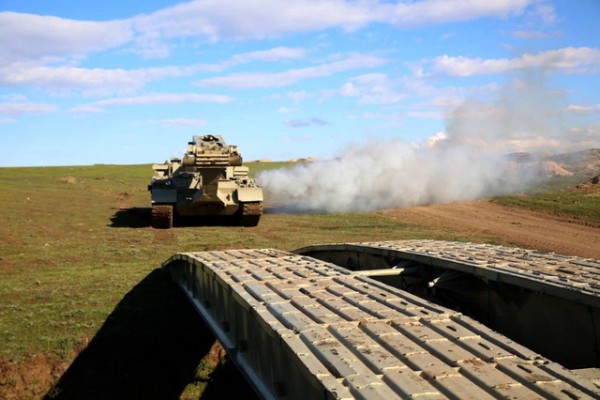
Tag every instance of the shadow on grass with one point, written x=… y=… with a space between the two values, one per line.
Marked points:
x=135 y=217
x=151 y=346
x=140 y=217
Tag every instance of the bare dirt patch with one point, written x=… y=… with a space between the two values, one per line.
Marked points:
x=69 y=179
x=31 y=378
x=517 y=226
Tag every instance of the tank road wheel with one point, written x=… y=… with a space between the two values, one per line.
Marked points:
x=250 y=213
x=162 y=216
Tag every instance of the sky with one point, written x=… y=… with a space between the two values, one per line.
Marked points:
x=130 y=82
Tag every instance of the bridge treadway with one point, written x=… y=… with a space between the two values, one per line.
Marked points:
x=298 y=327
x=572 y=277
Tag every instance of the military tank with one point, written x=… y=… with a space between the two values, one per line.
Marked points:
x=208 y=181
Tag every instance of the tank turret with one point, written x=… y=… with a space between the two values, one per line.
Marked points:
x=211 y=150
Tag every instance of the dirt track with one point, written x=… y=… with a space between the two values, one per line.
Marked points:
x=513 y=225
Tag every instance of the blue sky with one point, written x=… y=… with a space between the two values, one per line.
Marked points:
x=128 y=82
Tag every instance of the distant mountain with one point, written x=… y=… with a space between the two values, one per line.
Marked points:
x=580 y=169
x=583 y=164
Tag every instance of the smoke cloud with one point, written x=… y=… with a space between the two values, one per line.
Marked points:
x=393 y=174
x=476 y=157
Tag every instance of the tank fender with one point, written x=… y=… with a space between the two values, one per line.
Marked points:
x=164 y=196
x=249 y=194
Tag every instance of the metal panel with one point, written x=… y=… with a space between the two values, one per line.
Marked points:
x=569 y=277
x=300 y=328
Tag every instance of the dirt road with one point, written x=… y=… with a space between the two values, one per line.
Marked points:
x=513 y=225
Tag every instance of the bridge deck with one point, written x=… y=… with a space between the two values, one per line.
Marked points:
x=298 y=327
x=569 y=277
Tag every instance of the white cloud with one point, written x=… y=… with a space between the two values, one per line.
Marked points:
x=303 y=123
x=22 y=108
x=151 y=35
x=101 y=81
x=349 y=90
x=253 y=19
x=184 y=122
x=94 y=80
x=256 y=19
x=534 y=35
x=57 y=64
x=270 y=55
x=87 y=110
x=545 y=12
x=447 y=36
x=569 y=60
x=163 y=98
x=374 y=88
x=299 y=96
x=280 y=79
x=13 y=97
x=443 y=11
x=30 y=38
x=579 y=109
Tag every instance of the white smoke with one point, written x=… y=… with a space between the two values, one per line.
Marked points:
x=391 y=174
x=470 y=161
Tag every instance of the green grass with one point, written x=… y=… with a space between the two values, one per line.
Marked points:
x=64 y=265
x=571 y=202
x=75 y=242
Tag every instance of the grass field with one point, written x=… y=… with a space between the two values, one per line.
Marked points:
x=579 y=204
x=80 y=284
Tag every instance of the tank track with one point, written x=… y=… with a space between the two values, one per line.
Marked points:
x=299 y=327
x=162 y=216
x=251 y=213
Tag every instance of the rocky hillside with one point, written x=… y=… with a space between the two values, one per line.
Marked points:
x=583 y=165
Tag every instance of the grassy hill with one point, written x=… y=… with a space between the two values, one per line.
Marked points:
x=576 y=195
x=83 y=302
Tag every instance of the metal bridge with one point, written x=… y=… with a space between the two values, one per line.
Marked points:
x=404 y=319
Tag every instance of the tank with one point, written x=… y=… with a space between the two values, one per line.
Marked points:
x=208 y=181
